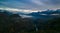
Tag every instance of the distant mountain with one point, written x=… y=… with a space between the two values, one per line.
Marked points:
x=11 y=12
x=5 y=12
x=48 y=12
x=44 y=14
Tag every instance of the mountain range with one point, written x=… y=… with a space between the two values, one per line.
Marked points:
x=44 y=14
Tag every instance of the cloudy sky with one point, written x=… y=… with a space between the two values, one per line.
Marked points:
x=30 y=4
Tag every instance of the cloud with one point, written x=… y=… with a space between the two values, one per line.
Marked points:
x=20 y=10
x=31 y=4
x=37 y=2
x=50 y=2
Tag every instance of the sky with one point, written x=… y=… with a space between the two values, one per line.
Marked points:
x=30 y=4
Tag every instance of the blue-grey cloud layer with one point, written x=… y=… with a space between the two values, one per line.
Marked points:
x=31 y=4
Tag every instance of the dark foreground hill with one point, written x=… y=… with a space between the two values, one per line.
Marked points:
x=41 y=22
